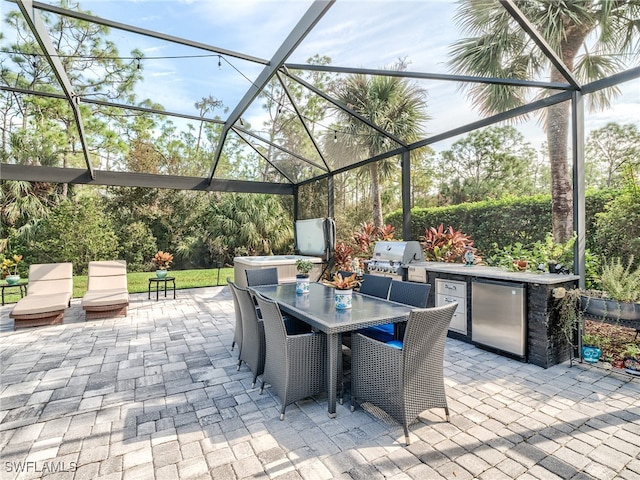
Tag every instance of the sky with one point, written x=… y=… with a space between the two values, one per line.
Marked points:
x=354 y=33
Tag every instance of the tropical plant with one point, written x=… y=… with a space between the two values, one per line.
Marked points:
x=590 y=37
x=244 y=224
x=391 y=103
x=368 y=235
x=9 y=263
x=344 y=283
x=442 y=245
x=304 y=266
x=632 y=351
x=162 y=260
x=343 y=257
x=621 y=282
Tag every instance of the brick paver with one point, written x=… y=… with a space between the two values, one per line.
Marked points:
x=156 y=394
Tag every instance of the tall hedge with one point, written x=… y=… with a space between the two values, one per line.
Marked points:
x=503 y=222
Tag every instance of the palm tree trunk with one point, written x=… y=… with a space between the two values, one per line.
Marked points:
x=561 y=188
x=376 y=195
x=557 y=138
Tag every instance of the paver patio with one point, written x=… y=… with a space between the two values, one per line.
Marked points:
x=156 y=395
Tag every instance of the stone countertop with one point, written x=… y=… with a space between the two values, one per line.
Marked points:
x=496 y=273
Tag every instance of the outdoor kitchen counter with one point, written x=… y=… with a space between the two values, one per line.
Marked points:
x=545 y=344
x=496 y=273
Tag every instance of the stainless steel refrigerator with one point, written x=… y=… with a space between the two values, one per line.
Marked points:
x=499 y=315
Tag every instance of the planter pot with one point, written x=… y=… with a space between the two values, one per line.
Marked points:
x=612 y=309
x=632 y=366
x=302 y=284
x=161 y=273
x=591 y=354
x=12 y=279
x=343 y=299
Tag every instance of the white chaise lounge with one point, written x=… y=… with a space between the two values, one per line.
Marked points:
x=107 y=294
x=49 y=292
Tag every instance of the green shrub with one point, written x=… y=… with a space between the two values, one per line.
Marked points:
x=137 y=246
x=618 y=226
x=76 y=232
x=496 y=224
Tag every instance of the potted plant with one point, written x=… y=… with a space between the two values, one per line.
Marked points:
x=591 y=351
x=10 y=269
x=303 y=267
x=162 y=261
x=619 y=298
x=344 y=289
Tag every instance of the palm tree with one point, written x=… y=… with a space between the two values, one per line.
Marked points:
x=499 y=48
x=245 y=224
x=22 y=206
x=391 y=103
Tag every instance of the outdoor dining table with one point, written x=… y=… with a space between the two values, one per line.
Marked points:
x=317 y=308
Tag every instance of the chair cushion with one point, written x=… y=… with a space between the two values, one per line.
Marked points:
x=395 y=344
x=382 y=333
x=107 y=275
x=32 y=304
x=101 y=298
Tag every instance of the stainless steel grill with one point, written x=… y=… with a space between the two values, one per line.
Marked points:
x=390 y=259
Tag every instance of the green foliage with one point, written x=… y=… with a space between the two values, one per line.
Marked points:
x=390 y=102
x=77 y=232
x=304 y=266
x=621 y=282
x=538 y=254
x=618 y=227
x=495 y=224
x=595 y=340
x=243 y=224
x=445 y=245
x=610 y=151
x=569 y=315
x=137 y=246
x=488 y=163
x=632 y=351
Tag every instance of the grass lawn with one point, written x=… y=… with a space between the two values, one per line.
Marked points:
x=139 y=281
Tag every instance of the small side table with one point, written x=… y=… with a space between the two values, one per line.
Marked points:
x=157 y=282
x=22 y=285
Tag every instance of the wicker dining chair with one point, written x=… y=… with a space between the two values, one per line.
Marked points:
x=408 y=293
x=403 y=378
x=237 y=333
x=253 y=346
x=295 y=365
x=262 y=276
